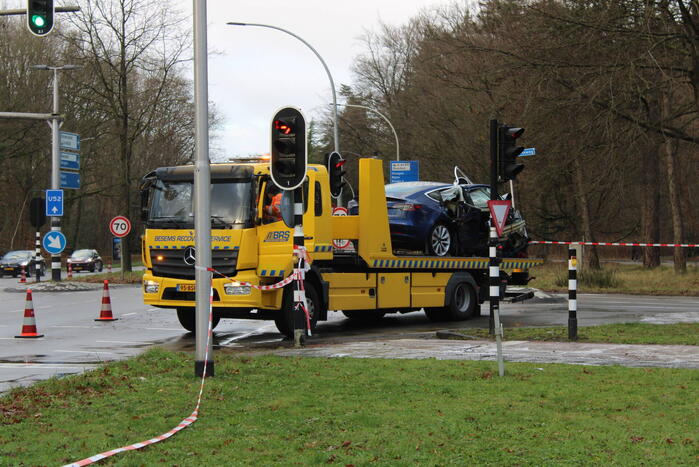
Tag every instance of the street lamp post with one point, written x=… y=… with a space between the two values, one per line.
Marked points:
x=336 y=135
x=395 y=135
x=55 y=124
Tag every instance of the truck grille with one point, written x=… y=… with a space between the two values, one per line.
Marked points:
x=173 y=265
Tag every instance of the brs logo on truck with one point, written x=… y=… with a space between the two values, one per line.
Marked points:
x=278 y=236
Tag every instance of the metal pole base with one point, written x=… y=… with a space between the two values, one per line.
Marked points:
x=199 y=368
x=572 y=329
x=299 y=338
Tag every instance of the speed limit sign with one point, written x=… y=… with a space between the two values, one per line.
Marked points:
x=120 y=226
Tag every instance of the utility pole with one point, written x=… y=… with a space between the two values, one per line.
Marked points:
x=55 y=124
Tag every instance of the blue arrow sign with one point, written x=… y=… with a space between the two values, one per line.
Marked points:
x=54 y=242
x=70 y=180
x=54 y=203
x=528 y=152
x=70 y=160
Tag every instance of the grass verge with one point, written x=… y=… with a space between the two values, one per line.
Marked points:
x=309 y=411
x=625 y=333
x=619 y=278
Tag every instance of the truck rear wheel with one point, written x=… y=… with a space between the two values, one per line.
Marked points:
x=285 y=319
x=463 y=304
x=187 y=318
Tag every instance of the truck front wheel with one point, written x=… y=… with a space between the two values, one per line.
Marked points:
x=187 y=319
x=285 y=320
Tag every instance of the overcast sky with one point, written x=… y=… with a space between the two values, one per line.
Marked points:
x=255 y=71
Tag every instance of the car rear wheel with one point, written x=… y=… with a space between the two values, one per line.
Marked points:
x=187 y=318
x=440 y=241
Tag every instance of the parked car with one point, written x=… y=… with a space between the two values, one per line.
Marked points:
x=86 y=260
x=443 y=220
x=13 y=262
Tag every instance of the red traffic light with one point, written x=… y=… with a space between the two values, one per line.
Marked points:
x=283 y=127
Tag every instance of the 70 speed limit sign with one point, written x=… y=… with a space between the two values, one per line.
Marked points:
x=120 y=226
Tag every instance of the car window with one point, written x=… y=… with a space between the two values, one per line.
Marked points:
x=479 y=197
x=435 y=195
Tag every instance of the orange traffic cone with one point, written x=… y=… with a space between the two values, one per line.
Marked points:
x=23 y=278
x=70 y=271
x=106 y=312
x=29 y=325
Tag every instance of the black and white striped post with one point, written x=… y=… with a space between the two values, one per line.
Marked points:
x=299 y=315
x=572 y=294
x=37 y=253
x=494 y=273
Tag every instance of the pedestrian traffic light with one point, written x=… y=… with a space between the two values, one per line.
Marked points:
x=336 y=172
x=288 y=155
x=40 y=16
x=508 y=151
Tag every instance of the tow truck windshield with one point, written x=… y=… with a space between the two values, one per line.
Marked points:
x=171 y=205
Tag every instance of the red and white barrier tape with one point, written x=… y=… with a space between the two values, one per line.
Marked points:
x=183 y=424
x=682 y=245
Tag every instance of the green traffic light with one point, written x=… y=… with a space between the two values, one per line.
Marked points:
x=38 y=21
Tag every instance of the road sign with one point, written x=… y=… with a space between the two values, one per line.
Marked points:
x=70 y=180
x=528 y=152
x=70 y=160
x=404 y=171
x=54 y=203
x=120 y=226
x=70 y=141
x=498 y=213
x=54 y=242
x=340 y=243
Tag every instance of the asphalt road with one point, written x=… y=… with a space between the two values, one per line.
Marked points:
x=74 y=341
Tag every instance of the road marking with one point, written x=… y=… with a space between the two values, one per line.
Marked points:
x=127 y=342
x=155 y=309
x=74 y=327
x=128 y=314
x=242 y=336
x=15 y=311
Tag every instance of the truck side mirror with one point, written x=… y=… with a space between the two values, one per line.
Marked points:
x=144 y=203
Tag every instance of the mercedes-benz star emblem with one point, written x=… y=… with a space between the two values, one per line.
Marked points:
x=190 y=256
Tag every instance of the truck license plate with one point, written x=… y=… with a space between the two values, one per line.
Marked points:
x=186 y=288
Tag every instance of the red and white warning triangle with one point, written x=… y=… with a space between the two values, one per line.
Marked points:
x=498 y=213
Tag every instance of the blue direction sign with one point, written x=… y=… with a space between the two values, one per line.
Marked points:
x=54 y=242
x=404 y=171
x=54 y=203
x=70 y=180
x=70 y=141
x=70 y=160
x=528 y=152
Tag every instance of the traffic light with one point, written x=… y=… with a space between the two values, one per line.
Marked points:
x=37 y=212
x=508 y=151
x=336 y=172
x=40 y=16
x=289 y=157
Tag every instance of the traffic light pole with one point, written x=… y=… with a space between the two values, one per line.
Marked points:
x=494 y=299
x=204 y=358
x=55 y=173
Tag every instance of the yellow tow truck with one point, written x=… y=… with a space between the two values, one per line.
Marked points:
x=252 y=246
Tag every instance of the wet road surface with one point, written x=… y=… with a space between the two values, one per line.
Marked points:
x=74 y=342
